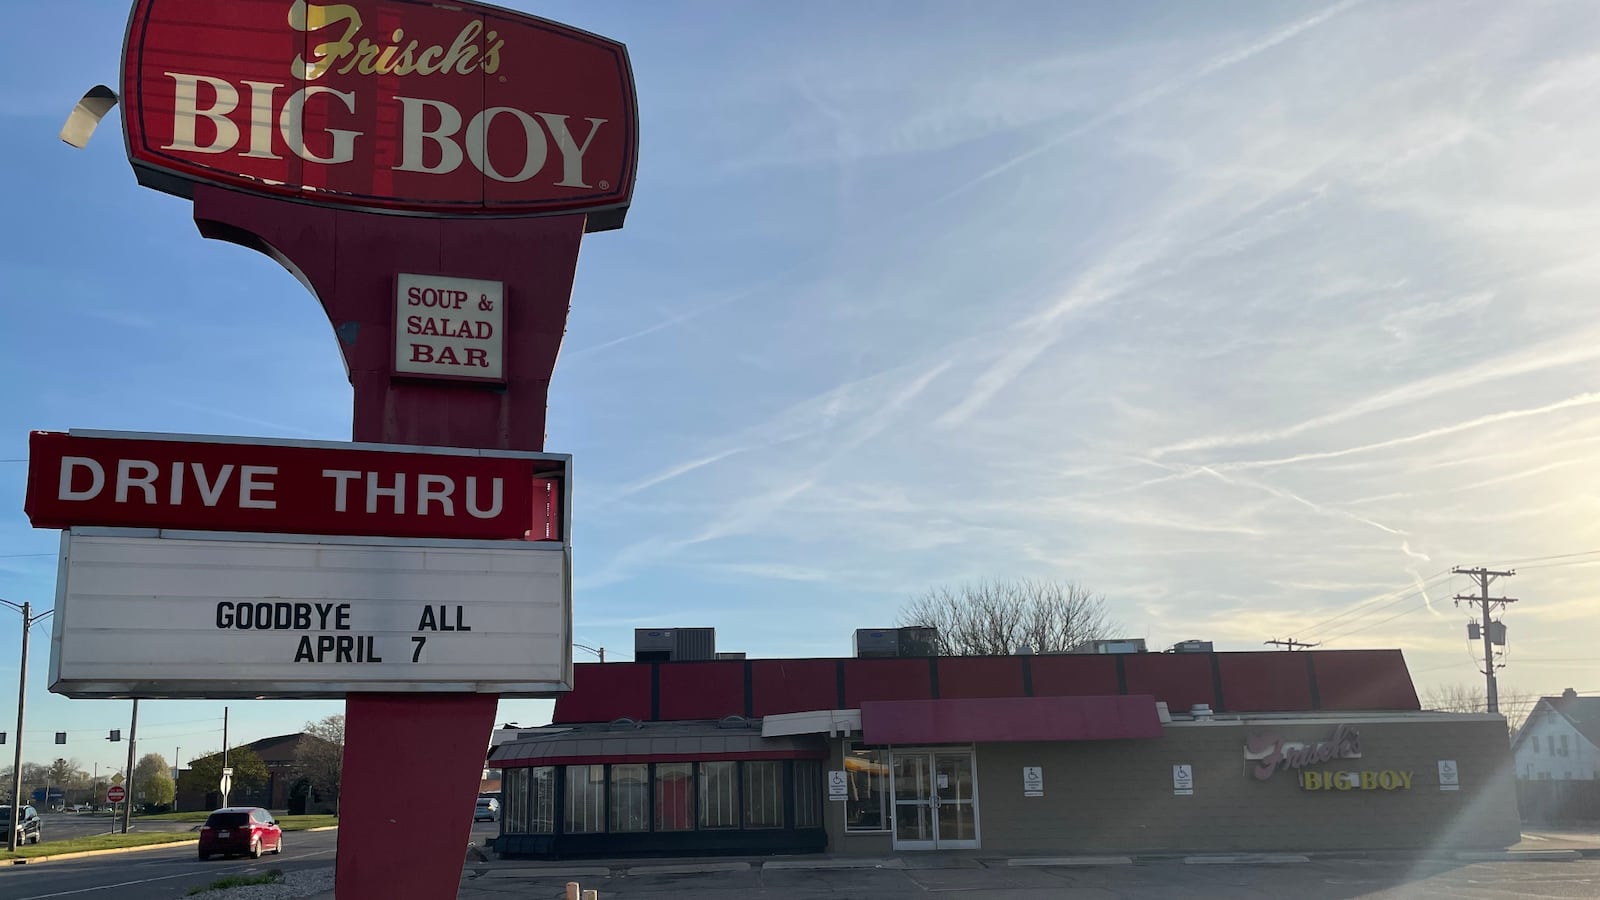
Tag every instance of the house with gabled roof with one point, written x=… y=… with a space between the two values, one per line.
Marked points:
x=1561 y=740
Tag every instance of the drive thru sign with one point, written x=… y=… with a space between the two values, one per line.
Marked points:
x=356 y=142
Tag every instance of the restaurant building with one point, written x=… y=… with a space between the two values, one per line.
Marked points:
x=1055 y=753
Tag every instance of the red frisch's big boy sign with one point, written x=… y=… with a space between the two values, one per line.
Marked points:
x=416 y=107
x=289 y=487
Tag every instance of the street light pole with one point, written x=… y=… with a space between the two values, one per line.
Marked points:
x=28 y=618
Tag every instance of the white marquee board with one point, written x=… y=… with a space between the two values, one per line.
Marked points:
x=166 y=614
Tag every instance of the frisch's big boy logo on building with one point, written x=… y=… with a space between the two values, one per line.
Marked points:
x=1272 y=753
x=396 y=105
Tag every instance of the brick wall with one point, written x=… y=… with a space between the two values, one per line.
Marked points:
x=1117 y=795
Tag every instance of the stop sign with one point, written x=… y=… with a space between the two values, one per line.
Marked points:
x=115 y=794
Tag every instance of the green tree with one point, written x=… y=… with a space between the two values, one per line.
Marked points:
x=152 y=780
x=321 y=757
x=205 y=772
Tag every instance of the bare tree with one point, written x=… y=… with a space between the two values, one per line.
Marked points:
x=995 y=618
x=1515 y=705
x=321 y=757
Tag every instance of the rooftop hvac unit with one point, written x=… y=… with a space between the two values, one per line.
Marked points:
x=654 y=644
x=1118 y=645
x=730 y=654
x=1192 y=647
x=695 y=644
x=674 y=644
x=879 y=642
x=919 y=640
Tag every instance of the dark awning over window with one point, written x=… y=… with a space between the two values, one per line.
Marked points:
x=652 y=743
x=1009 y=719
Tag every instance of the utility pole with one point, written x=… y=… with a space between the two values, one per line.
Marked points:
x=177 y=767
x=28 y=618
x=133 y=740
x=1292 y=644
x=226 y=781
x=1485 y=604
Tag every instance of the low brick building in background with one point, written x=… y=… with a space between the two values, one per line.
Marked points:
x=284 y=780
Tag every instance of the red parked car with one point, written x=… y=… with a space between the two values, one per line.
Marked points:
x=239 y=830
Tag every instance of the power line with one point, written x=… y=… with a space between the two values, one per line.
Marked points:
x=1512 y=562
x=1359 y=629
x=1395 y=596
x=1410 y=595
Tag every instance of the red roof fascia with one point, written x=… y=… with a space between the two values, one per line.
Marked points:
x=1009 y=719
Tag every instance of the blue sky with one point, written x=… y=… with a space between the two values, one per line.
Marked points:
x=1243 y=316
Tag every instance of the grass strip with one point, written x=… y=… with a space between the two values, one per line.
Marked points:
x=301 y=823
x=97 y=842
x=271 y=876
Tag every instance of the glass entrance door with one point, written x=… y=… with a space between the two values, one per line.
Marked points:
x=935 y=800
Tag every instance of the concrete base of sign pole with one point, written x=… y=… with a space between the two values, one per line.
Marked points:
x=412 y=768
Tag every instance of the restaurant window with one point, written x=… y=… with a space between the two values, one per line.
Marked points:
x=763 y=795
x=868 y=774
x=514 y=811
x=674 y=796
x=586 y=799
x=1536 y=743
x=719 y=795
x=542 y=800
x=1563 y=745
x=630 y=797
x=807 y=793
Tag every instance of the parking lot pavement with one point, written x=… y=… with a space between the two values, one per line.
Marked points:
x=1328 y=879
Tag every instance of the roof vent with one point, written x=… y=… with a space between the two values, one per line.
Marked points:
x=1569 y=693
x=733 y=722
x=624 y=724
x=1201 y=712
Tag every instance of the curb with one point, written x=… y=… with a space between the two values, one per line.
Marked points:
x=687 y=869
x=802 y=865
x=1247 y=859
x=1070 y=861
x=1518 y=855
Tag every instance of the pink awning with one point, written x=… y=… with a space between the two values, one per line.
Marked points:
x=1009 y=719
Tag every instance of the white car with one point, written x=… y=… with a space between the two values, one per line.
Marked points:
x=488 y=810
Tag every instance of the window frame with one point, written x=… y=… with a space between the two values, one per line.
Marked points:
x=776 y=792
x=735 y=808
x=807 y=793
x=648 y=796
x=887 y=826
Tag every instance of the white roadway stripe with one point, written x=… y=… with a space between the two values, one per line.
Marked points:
x=107 y=887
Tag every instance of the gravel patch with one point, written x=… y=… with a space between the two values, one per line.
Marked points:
x=296 y=884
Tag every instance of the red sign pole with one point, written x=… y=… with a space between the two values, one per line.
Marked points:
x=414 y=847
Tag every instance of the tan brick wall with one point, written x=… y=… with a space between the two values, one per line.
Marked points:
x=1117 y=795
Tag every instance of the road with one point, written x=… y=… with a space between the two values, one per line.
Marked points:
x=65 y=826
x=160 y=874
x=163 y=873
